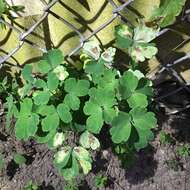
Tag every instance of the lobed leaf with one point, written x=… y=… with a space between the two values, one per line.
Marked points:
x=26 y=126
x=52 y=81
x=43 y=66
x=128 y=84
x=121 y=128
x=27 y=73
x=143 y=121
x=54 y=57
x=50 y=122
x=167 y=12
x=64 y=113
x=61 y=158
x=137 y=100
x=41 y=97
x=56 y=141
x=124 y=36
x=88 y=140
x=83 y=156
x=72 y=101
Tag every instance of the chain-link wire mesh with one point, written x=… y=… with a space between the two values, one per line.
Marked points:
x=163 y=67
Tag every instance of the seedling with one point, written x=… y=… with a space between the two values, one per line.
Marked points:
x=183 y=150
x=71 y=185
x=165 y=138
x=173 y=164
x=31 y=186
x=100 y=181
x=1 y=162
x=19 y=159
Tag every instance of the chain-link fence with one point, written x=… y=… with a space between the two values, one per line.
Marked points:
x=168 y=67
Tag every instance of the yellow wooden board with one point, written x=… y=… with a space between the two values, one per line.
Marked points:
x=85 y=15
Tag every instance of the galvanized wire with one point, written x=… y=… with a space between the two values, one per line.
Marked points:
x=169 y=67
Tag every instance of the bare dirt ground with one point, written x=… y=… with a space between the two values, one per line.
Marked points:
x=157 y=167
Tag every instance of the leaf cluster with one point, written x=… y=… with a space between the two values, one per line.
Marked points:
x=137 y=41
x=167 y=12
x=54 y=107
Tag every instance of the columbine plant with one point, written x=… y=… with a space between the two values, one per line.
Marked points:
x=67 y=109
x=55 y=106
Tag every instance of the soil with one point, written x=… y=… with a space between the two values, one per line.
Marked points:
x=157 y=167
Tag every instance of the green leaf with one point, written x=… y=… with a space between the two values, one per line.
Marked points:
x=43 y=66
x=19 y=159
x=45 y=110
x=70 y=84
x=137 y=73
x=45 y=138
x=121 y=128
x=95 y=67
x=54 y=57
x=133 y=90
x=88 y=140
x=2 y=7
x=82 y=88
x=108 y=55
x=109 y=114
x=96 y=106
x=61 y=72
x=66 y=163
x=61 y=158
x=41 y=97
x=144 y=138
x=128 y=84
x=77 y=127
x=140 y=52
x=83 y=156
x=145 y=87
x=168 y=11
x=92 y=49
x=39 y=83
x=26 y=107
x=71 y=172
x=109 y=97
x=64 y=113
x=50 y=122
x=94 y=123
x=72 y=101
x=78 y=88
x=25 y=90
x=143 y=121
x=107 y=80
x=145 y=34
x=56 y=141
x=27 y=73
x=26 y=126
x=52 y=81
x=138 y=100
x=124 y=35
x=75 y=89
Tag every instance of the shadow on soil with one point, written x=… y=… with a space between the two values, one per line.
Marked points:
x=144 y=167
